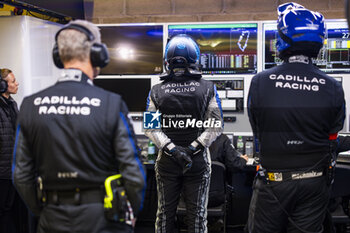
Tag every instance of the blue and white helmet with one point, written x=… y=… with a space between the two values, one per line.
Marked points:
x=297 y=24
x=286 y=7
x=181 y=52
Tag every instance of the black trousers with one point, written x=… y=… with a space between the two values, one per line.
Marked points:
x=194 y=186
x=78 y=218
x=304 y=200
x=13 y=212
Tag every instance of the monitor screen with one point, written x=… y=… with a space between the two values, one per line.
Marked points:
x=133 y=49
x=225 y=48
x=134 y=91
x=334 y=57
x=335 y=54
x=271 y=58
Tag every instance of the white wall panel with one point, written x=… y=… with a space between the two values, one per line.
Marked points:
x=26 y=46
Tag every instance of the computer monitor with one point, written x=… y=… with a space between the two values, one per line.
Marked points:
x=270 y=56
x=225 y=48
x=134 y=91
x=231 y=94
x=133 y=49
x=334 y=57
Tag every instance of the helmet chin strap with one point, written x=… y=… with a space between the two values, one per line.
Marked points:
x=309 y=49
x=195 y=73
x=178 y=66
x=176 y=72
x=284 y=37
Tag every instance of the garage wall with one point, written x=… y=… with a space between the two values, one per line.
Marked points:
x=145 y=11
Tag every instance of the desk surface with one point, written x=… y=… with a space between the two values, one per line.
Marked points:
x=148 y=165
x=344 y=157
x=341 y=185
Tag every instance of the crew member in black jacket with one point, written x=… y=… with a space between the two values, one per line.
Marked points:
x=71 y=137
x=13 y=213
x=223 y=151
x=191 y=119
x=295 y=111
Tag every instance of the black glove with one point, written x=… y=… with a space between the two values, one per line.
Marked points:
x=179 y=155
x=195 y=148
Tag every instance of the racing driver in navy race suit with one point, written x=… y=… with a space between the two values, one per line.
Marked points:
x=295 y=111
x=191 y=119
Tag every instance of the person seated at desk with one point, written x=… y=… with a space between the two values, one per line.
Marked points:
x=343 y=143
x=223 y=150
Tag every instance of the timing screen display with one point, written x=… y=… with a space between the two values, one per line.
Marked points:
x=271 y=56
x=334 y=57
x=225 y=48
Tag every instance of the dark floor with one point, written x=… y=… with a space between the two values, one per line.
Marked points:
x=148 y=229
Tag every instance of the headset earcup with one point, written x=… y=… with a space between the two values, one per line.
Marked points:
x=56 y=57
x=3 y=86
x=99 y=55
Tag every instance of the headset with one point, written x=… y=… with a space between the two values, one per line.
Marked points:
x=98 y=52
x=3 y=84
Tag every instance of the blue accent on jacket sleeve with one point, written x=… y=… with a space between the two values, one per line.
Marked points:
x=218 y=101
x=344 y=111
x=148 y=100
x=14 y=152
x=248 y=105
x=136 y=156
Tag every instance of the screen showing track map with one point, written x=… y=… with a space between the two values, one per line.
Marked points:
x=334 y=57
x=225 y=48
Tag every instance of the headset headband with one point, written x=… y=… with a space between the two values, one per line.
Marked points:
x=98 y=51
x=79 y=28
